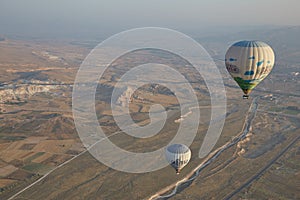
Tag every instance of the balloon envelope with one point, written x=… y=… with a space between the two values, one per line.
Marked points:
x=249 y=62
x=178 y=156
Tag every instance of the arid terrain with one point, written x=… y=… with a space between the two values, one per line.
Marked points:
x=39 y=144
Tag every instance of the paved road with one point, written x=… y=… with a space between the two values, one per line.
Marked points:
x=59 y=166
x=256 y=176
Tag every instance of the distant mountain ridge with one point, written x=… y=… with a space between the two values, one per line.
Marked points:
x=284 y=40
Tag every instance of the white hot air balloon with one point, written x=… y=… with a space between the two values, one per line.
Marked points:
x=178 y=156
x=249 y=62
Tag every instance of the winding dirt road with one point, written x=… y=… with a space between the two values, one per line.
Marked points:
x=187 y=180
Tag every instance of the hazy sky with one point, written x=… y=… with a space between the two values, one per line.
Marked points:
x=79 y=17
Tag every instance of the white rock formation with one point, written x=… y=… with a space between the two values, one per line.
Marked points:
x=22 y=92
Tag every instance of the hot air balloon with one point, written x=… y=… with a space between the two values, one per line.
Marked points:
x=178 y=156
x=249 y=62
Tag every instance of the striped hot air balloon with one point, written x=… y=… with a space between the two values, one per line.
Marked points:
x=249 y=62
x=178 y=156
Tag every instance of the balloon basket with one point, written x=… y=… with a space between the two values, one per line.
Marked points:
x=245 y=96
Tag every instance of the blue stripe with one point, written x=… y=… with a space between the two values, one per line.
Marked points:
x=259 y=63
x=249 y=73
x=246 y=43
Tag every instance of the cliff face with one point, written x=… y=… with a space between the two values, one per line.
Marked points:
x=125 y=98
x=19 y=93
